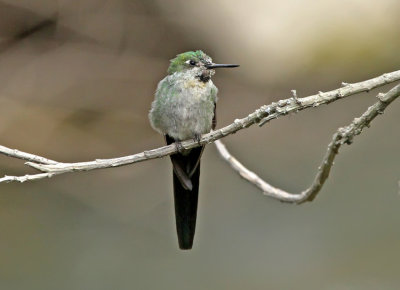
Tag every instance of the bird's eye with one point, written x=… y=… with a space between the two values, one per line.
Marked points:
x=192 y=62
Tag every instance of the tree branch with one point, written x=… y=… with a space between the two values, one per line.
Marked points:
x=342 y=136
x=261 y=116
x=27 y=177
x=25 y=156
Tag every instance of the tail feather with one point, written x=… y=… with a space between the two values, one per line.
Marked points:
x=186 y=209
x=186 y=175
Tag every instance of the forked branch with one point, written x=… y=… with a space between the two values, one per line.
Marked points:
x=260 y=116
x=342 y=136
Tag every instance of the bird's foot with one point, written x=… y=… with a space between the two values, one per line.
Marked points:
x=179 y=146
x=197 y=138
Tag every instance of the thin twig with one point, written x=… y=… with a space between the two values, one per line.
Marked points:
x=27 y=177
x=25 y=156
x=342 y=136
x=295 y=97
x=261 y=116
x=276 y=109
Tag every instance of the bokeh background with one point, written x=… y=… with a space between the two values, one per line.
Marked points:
x=77 y=80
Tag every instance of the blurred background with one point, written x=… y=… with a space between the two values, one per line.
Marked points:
x=77 y=80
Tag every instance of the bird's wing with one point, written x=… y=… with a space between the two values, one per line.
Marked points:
x=214 y=120
x=185 y=165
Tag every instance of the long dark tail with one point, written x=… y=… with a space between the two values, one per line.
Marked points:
x=186 y=209
x=186 y=192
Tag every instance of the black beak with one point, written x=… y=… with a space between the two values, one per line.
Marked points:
x=216 y=65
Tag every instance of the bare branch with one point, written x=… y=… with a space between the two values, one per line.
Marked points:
x=276 y=109
x=295 y=98
x=342 y=136
x=27 y=177
x=25 y=156
x=262 y=115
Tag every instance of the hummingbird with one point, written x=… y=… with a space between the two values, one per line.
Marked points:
x=184 y=108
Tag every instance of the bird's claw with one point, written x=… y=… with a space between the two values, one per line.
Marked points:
x=197 y=138
x=179 y=146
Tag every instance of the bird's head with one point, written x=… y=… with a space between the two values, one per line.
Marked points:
x=196 y=62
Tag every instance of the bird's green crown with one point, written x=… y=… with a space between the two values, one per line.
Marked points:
x=188 y=60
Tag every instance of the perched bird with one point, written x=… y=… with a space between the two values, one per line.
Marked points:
x=184 y=108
